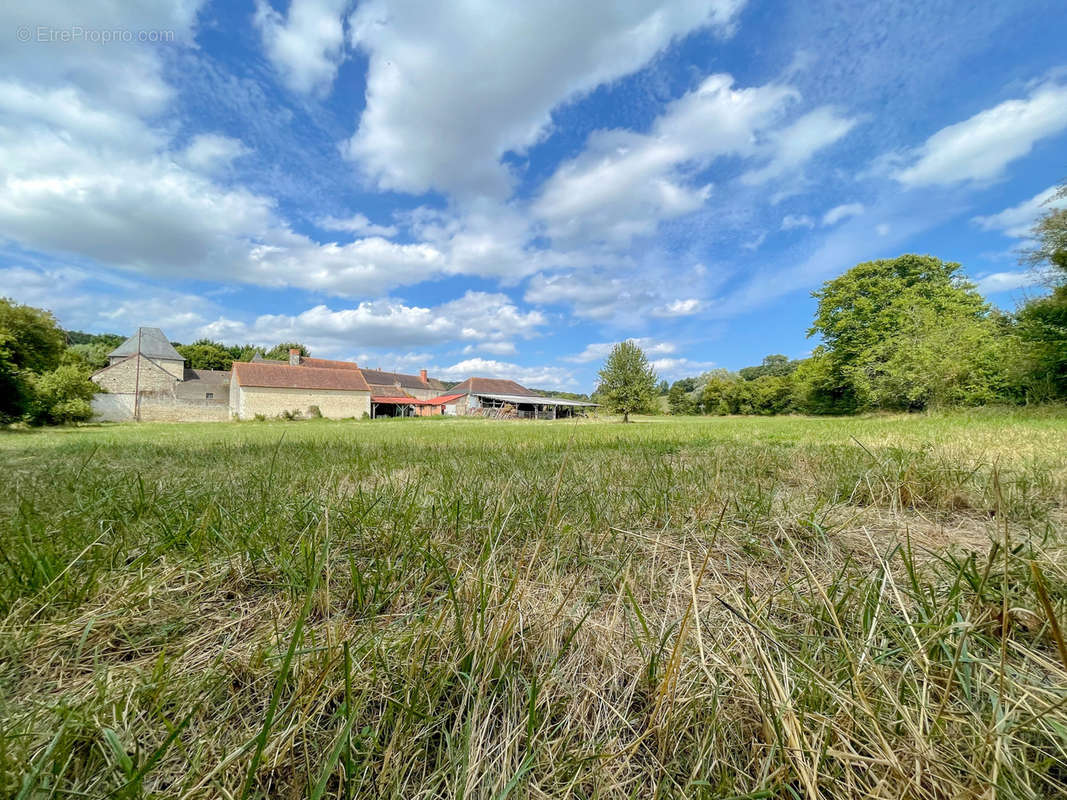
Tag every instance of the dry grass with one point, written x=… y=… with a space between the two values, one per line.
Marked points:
x=419 y=608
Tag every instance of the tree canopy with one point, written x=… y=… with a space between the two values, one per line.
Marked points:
x=627 y=381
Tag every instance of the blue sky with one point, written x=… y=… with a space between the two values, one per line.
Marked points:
x=494 y=188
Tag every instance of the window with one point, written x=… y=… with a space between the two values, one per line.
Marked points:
x=209 y=395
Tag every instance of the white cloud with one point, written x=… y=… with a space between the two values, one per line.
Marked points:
x=844 y=211
x=484 y=77
x=624 y=183
x=496 y=348
x=674 y=368
x=1017 y=221
x=537 y=377
x=979 y=148
x=1007 y=281
x=679 y=308
x=598 y=351
x=208 y=152
x=357 y=223
x=307 y=45
x=484 y=320
x=882 y=229
x=793 y=221
x=793 y=146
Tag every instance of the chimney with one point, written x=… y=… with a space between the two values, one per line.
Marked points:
x=422 y=376
x=294 y=357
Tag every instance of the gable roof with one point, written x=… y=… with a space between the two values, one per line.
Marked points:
x=443 y=400
x=146 y=362
x=492 y=386
x=327 y=363
x=282 y=376
x=380 y=377
x=153 y=343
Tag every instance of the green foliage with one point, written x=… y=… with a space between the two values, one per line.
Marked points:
x=108 y=340
x=662 y=388
x=30 y=341
x=1042 y=330
x=280 y=351
x=627 y=381
x=773 y=365
x=679 y=401
x=92 y=355
x=206 y=354
x=907 y=333
x=61 y=396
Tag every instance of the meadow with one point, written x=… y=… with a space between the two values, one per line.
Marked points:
x=711 y=607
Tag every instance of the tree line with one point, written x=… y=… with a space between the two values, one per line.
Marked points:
x=903 y=334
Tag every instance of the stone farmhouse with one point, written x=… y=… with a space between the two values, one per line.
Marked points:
x=146 y=379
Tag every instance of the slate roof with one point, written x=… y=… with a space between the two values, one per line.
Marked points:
x=215 y=376
x=492 y=386
x=279 y=376
x=380 y=377
x=154 y=344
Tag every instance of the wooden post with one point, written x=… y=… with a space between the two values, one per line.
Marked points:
x=137 y=381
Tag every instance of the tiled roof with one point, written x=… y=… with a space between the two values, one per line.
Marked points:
x=385 y=389
x=443 y=399
x=151 y=342
x=328 y=363
x=398 y=400
x=247 y=373
x=491 y=386
x=382 y=378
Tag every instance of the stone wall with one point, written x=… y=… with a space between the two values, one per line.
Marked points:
x=247 y=401
x=158 y=408
x=122 y=377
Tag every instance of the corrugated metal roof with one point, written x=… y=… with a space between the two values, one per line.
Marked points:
x=398 y=400
x=534 y=399
x=279 y=376
x=153 y=343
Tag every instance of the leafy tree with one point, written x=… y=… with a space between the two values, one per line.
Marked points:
x=30 y=341
x=280 y=352
x=880 y=318
x=679 y=400
x=775 y=365
x=61 y=395
x=109 y=340
x=627 y=381
x=719 y=394
x=1042 y=322
x=92 y=355
x=662 y=388
x=206 y=354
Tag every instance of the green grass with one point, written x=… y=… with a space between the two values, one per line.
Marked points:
x=723 y=607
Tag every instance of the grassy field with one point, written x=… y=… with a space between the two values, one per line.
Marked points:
x=757 y=608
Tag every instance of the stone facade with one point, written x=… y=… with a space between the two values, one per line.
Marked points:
x=157 y=408
x=247 y=401
x=122 y=377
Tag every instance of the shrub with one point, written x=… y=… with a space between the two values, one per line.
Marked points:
x=61 y=396
x=314 y=412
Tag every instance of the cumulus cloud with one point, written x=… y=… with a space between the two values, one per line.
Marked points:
x=844 y=211
x=1017 y=221
x=624 y=183
x=306 y=46
x=484 y=320
x=485 y=77
x=357 y=223
x=539 y=377
x=208 y=152
x=598 y=351
x=981 y=147
x=675 y=368
x=1008 y=281
x=679 y=308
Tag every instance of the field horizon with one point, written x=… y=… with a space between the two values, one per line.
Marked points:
x=717 y=607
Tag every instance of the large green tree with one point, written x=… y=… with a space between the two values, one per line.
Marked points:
x=206 y=354
x=627 y=381
x=1042 y=322
x=907 y=332
x=30 y=342
x=280 y=352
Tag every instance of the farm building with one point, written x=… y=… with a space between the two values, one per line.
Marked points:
x=146 y=378
x=496 y=397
